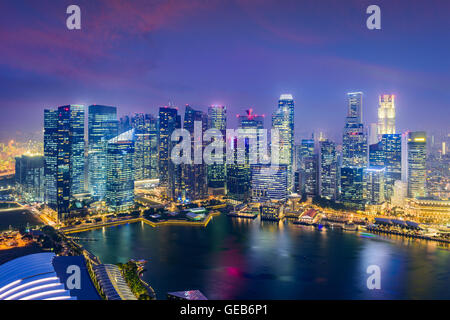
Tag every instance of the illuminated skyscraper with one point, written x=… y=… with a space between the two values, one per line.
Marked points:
x=374 y=177
x=30 y=177
x=354 y=144
x=386 y=114
x=392 y=150
x=352 y=187
x=310 y=174
x=64 y=146
x=417 y=155
x=267 y=185
x=355 y=101
x=120 y=172
x=146 y=146
x=169 y=120
x=238 y=174
x=354 y=154
x=328 y=167
x=376 y=155
x=50 y=156
x=102 y=126
x=194 y=178
x=283 y=120
x=217 y=119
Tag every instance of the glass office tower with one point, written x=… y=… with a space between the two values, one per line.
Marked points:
x=217 y=119
x=417 y=155
x=283 y=120
x=120 y=172
x=102 y=126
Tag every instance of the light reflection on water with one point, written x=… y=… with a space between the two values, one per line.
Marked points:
x=249 y=259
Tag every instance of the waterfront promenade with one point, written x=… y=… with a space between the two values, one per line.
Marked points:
x=83 y=228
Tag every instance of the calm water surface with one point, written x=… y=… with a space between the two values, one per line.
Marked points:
x=244 y=259
x=17 y=219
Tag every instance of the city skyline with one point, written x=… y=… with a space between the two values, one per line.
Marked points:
x=153 y=63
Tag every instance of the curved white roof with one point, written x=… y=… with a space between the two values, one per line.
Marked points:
x=31 y=277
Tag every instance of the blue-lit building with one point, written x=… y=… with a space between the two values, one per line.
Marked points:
x=45 y=276
x=354 y=154
x=102 y=126
x=146 y=146
x=193 y=185
x=217 y=119
x=328 y=166
x=120 y=172
x=417 y=155
x=64 y=156
x=375 y=185
x=352 y=187
x=169 y=120
x=268 y=183
x=30 y=177
x=392 y=147
x=50 y=156
x=283 y=120
x=238 y=174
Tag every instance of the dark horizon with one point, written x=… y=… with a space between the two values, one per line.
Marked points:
x=140 y=55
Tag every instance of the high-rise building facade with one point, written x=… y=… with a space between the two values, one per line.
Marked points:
x=392 y=150
x=375 y=183
x=194 y=176
x=169 y=120
x=328 y=167
x=238 y=174
x=30 y=177
x=354 y=154
x=146 y=146
x=120 y=172
x=283 y=120
x=310 y=175
x=50 y=156
x=102 y=126
x=386 y=114
x=217 y=119
x=268 y=184
x=64 y=147
x=352 y=187
x=417 y=155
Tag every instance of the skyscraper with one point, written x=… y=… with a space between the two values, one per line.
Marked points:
x=194 y=177
x=328 y=170
x=386 y=114
x=217 y=119
x=146 y=146
x=238 y=174
x=50 y=156
x=267 y=185
x=120 y=172
x=374 y=177
x=30 y=177
x=392 y=150
x=355 y=101
x=283 y=120
x=417 y=155
x=64 y=156
x=352 y=187
x=102 y=126
x=354 y=144
x=169 y=120
x=354 y=154
x=310 y=175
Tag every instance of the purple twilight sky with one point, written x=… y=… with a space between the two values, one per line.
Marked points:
x=140 y=54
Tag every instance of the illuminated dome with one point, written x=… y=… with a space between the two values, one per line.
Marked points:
x=32 y=277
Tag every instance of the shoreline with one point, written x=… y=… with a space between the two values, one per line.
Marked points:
x=203 y=223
